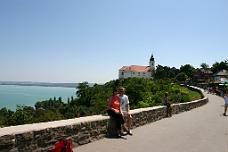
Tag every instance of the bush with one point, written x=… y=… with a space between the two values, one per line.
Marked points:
x=93 y=100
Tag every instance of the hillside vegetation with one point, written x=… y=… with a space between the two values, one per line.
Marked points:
x=93 y=100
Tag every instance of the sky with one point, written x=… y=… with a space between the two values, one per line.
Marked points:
x=90 y=40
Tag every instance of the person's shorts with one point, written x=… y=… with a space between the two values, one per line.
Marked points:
x=125 y=114
x=226 y=104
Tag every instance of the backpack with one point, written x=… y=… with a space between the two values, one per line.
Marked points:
x=64 y=145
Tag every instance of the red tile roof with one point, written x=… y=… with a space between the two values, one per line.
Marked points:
x=136 y=68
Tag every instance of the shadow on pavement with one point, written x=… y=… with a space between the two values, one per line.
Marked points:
x=116 y=137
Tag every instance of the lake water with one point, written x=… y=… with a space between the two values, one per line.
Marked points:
x=13 y=95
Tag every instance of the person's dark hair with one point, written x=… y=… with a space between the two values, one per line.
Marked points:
x=166 y=93
x=114 y=90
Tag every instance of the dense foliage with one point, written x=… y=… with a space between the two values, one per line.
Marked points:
x=93 y=100
x=187 y=72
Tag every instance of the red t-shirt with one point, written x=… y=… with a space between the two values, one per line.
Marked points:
x=115 y=103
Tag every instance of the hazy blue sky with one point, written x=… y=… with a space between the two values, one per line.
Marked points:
x=89 y=40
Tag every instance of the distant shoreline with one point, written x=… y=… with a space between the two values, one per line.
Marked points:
x=41 y=84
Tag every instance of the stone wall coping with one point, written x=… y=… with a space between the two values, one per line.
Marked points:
x=13 y=130
x=157 y=107
x=185 y=103
x=144 y=109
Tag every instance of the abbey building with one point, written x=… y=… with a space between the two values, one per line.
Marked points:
x=138 y=70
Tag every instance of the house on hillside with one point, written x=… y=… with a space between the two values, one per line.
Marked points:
x=221 y=77
x=203 y=76
x=138 y=70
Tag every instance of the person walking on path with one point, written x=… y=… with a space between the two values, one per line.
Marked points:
x=114 y=111
x=125 y=108
x=226 y=102
x=168 y=105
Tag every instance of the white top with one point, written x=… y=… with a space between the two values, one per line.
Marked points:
x=226 y=99
x=124 y=102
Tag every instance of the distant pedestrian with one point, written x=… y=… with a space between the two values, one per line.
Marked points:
x=167 y=103
x=114 y=111
x=125 y=108
x=226 y=102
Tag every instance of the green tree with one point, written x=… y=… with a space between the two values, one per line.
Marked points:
x=22 y=115
x=5 y=117
x=93 y=100
x=217 y=66
x=165 y=72
x=50 y=104
x=204 y=66
x=188 y=70
x=84 y=94
x=42 y=115
x=181 y=77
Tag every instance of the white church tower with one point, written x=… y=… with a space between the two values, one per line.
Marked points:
x=152 y=63
x=139 y=71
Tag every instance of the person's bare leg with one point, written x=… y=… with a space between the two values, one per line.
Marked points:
x=129 y=122
x=170 y=111
x=225 y=109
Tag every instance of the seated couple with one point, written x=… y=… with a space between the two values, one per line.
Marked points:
x=118 y=108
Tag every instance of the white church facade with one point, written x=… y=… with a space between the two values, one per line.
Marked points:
x=138 y=70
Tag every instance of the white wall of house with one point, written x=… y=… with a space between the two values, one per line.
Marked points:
x=221 y=79
x=224 y=79
x=130 y=74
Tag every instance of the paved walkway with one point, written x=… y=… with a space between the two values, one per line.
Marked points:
x=203 y=129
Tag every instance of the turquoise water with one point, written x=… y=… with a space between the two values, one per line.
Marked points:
x=12 y=95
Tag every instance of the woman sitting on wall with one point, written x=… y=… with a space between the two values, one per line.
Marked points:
x=114 y=111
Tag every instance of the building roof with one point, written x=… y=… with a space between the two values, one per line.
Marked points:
x=222 y=73
x=206 y=71
x=136 y=68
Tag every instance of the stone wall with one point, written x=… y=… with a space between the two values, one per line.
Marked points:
x=43 y=136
